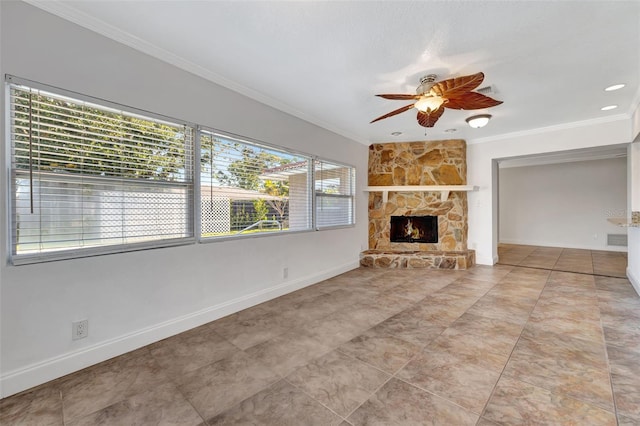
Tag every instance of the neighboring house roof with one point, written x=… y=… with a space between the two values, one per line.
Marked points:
x=235 y=193
x=283 y=171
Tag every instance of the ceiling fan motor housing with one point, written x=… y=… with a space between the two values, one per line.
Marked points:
x=426 y=83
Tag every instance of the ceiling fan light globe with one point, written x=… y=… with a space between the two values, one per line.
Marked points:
x=478 y=121
x=429 y=103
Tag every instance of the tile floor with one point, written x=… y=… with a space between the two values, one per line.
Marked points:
x=508 y=345
x=608 y=263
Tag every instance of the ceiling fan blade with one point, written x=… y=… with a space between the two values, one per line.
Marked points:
x=452 y=86
x=392 y=113
x=399 y=97
x=471 y=100
x=428 y=119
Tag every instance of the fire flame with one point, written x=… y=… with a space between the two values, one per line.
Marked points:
x=410 y=231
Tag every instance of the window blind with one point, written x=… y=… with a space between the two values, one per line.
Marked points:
x=334 y=191
x=247 y=188
x=88 y=178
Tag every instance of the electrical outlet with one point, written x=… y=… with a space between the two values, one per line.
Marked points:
x=285 y=273
x=79 y=329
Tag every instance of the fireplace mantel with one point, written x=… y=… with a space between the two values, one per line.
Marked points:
x=443 y=189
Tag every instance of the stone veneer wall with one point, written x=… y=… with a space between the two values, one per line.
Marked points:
x=419 y=163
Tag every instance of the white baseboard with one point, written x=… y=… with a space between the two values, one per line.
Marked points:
x=24 y=378
x=562 y=245
x=635 y=280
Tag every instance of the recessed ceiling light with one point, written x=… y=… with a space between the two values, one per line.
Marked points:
x=396 y=133
x=614 y=87
x=609 y=107
x=451 y=130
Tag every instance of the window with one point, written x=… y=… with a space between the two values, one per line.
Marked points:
x=334 y=189
x=92 y=177
x=88 y=178
x=248 y=188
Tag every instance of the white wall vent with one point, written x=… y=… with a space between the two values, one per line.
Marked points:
x=487 y=90
x=617 y=240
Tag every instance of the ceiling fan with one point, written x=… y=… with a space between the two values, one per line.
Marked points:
x=432 y=98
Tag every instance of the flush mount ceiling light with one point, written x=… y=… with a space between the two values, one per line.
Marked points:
x=609 y=107
x=478 y=121
x=614 y=87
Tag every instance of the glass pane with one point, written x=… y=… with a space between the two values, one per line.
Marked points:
x=86 y=175
x=72 y=214
x=334 y=188
x=248 y=188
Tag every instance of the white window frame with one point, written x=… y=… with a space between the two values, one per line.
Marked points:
x=78 y=252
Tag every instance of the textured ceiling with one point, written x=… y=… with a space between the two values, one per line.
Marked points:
x=324 y=61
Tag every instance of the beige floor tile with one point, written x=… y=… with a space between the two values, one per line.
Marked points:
x=399 y=403
x=515 y=290
x=162 y=405
x=488 y=273
x=286 y=352
x=190 y=350
x=338 y=381
x=580 y=281
x=518 y=403
x=337 y=328
x=247 y=332
x=219 y=386
x=626 y=421
x=484 y=334
x=282 y=405
x=562 y=370
x=39 y=406
x=410 y=327
x=581 y=351
x=626 y=390
x=485 y=422
x=628 y=338
x=381 y=350
x=526 y=277
x=624 y=361
x=616 y=285
x=567 y=322
x=503 y=308
x=454 y=298
x=104 y=384
x=539 y=261
x=387 y=304
x=453 y=376
x=620 y=301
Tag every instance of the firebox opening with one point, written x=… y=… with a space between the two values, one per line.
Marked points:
x=414 y=229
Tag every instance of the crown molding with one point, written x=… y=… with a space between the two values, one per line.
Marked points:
x=548 y=129
x=91 y=23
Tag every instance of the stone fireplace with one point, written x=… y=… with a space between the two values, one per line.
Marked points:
x=431 y=163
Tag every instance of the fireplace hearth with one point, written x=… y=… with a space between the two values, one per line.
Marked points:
x=414 y=229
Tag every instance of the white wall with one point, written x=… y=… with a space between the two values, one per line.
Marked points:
x=481 y=169
x=136 y=298
x=563 y=205
x=633 y=158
